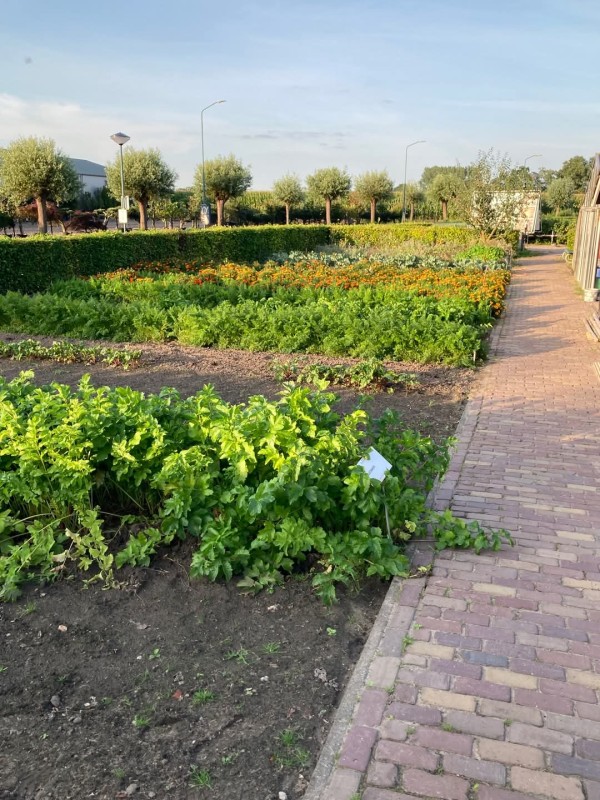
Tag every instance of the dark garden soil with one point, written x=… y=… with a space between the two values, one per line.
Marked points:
x=172 y=688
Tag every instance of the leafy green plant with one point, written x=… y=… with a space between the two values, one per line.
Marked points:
x=271 y=647
x=203 y=696
x=264 y=489
x=141 y=721
x=200 y=778
x=367 y=374
x=290 y=753
x=240 y=655
x=69 y=353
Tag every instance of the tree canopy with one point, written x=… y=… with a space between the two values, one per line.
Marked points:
x=35 y=169
x=371 y=187
x=559 y=194
x=146 y=177
x=288 y=191
x=491 y=198
x=577 y=169
x=328 y=184
x=226 y=177
x=430 y=173
x=444 y=187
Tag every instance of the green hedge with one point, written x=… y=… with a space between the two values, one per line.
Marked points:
x=391 y=235
x=559 y=224
x=32 y=264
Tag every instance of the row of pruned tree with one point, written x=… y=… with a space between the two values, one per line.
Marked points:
x=34 y=171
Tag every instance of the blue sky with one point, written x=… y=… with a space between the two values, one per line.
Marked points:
x=307 y=84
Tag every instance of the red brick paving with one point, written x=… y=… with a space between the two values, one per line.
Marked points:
x=497 y=696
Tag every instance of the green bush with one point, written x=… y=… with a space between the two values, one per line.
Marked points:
x=391 y=235
x=559 y=224
x=32 y=264
x=570 y=235
x=97 y=478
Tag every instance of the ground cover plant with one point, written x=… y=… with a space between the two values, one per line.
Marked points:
x=371 y=374
x=69 y=353
x=99 y=479
x=365 y=309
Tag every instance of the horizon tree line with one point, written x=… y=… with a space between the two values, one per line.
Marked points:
x=34 y=170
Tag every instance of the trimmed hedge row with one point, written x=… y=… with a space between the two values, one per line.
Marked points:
x=32 y=264
x=390 y=235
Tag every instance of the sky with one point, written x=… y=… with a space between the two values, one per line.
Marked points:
x=306 y=84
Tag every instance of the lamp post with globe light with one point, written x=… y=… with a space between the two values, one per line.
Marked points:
x=121 y=139
x=205 y=209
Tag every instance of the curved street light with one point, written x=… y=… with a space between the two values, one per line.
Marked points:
x=535 y=155
x=205 y=213
x=412 y=144
x=121 y=139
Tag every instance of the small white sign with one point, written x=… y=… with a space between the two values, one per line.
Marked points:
x=375 y=465
x=122 y=216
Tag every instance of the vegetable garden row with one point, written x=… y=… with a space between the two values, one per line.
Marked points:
x=98 y=478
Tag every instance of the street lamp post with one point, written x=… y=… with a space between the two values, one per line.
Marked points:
x=121 y=139
x=205 y=210
x=420 y=141
x=535 y=155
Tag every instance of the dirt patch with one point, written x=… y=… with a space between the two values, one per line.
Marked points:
x=168 y=679
x=432 y=407
x=171 y=688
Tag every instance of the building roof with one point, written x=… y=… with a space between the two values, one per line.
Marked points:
x=84 y=167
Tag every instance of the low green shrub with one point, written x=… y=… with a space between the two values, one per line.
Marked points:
x=559 y=225
x=69 y=353
x=32 y=264
x=390 y=235
x=364 y=323
x=97 y=478
x=570 y=235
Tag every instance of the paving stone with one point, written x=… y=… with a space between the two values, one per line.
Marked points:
x=382 y=671
x=406 y=754
x=475 y=724
x=357 y=746
x=394 y=729
x=576 y=766
x=382 y=774
x=371 y=708
x=384 y=794
x=474 y=768
x=423 y=715
x=540 y=737
x=445 y=741
x=508 y=753
x=544 y=783
x=441 y=699
x=486 y=659
x=343 y=784
x=444 y=787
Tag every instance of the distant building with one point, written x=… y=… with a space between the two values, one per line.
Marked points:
x=92 y=176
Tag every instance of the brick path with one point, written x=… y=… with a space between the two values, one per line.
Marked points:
x=496 y=698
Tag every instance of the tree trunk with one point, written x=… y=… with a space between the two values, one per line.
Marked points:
x=220 y=205
x=328 y=210
x=412 y=211
x=444 y=210
x=287 y=213
x=373 y=207
x=42 y=214
x=143 y=214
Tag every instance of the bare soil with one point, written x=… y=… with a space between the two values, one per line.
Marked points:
x=153 y=688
